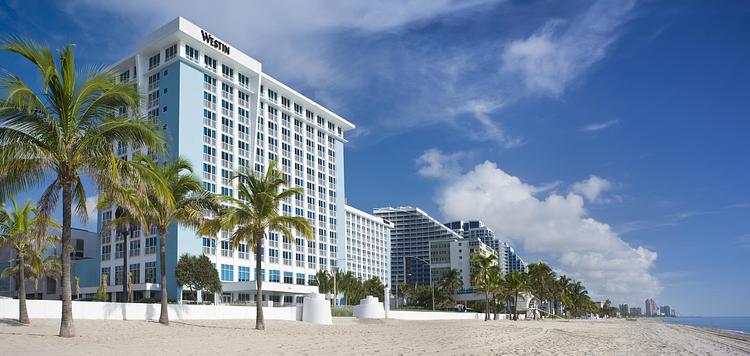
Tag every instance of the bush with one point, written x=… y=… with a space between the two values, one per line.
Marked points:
x=342 y=311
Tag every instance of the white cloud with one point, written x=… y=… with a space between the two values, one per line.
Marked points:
x=555 y=226
x=599 y=126
x=592 y=188
x=91 y=211
x=434 y=163
x=559 y=52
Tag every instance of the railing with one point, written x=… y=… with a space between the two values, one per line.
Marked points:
x=272 y=243
x=226 y=253
x=150 y=250
x=226 y=95
x=208 y=122
x=209 y=104
x=226 y=146
x=210 y=87
x=135 y=252
x=153 y=102
x=153 y=85
x=300 y=263
x=209 y=250
x=226 y=112
x=273 y=259
x=242 y=102
x=209 y=140
x=209 y=176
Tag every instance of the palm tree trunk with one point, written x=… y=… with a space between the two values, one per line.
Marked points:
x=486 y=307
x=66 y=320
x=164 y=315
x=515 y=307
x=124 y=279
x=23 y=315
x=259 y=324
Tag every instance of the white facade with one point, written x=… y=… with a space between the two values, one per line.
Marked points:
x=222 y=112
x=368 y=245
x=456 y=254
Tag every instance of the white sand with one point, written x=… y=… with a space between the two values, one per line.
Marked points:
x=351 y=337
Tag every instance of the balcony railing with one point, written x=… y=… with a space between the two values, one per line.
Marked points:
x=210 y=87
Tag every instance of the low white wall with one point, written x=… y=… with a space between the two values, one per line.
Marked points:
x=51 y=309
x=428 y=315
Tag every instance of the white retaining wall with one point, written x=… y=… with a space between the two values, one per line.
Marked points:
x=428 y=315
x=50 y=309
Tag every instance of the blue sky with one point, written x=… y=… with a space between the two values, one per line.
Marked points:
x=608 y=138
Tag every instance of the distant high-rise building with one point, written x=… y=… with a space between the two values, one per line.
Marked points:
x=665 y=310
x=456 y=254
x=477 y=229
x=624 y=310
x=413 y=229
x=651 y=307
x=635 y=311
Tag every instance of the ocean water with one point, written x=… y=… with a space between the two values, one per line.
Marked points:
x=731 y=323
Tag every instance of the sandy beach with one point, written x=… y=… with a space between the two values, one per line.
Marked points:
x=389 y=337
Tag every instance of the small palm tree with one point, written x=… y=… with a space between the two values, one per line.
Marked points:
x=541 y=281
x=174 y=195
x=19 y=230
x=516 y=282
x=483 y=267
x=563 y=288
x=44 y=267
x=451 y=282
x=324 y=281
x=63 y=131
x=257 y=212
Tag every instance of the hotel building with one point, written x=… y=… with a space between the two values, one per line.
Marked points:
x=368 y=245
x=413 y=229
x=507 y=257
x=221 y=112
x=452 y=253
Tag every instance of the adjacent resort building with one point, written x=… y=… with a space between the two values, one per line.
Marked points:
x=413 y=229
x=456 y=254
x=221 y=111
x=368 y=245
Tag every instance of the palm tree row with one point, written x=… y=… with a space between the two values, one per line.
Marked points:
x=67 y=130
x=353 y=287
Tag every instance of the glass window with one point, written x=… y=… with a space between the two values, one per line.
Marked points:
x=227 y=272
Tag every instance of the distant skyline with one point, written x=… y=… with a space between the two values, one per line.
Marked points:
x=606 y=138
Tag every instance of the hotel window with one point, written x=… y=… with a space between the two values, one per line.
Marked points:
x=310 y=261
x=287 y=257
x=153 y=99
x=209 y=83
x=170 y=52
x=135 y=248
x=273 y=255
x=118 y=276
x=227 y=272
x=244 y=81
x=191 y=53
x=211 y=187
x=226 y=248
x=300 y=278
x=298 y=109
x=227 y=72
x=288 y=277
x=209 y=63
x=106 y=252
x=106 y=275
x=272 y=95
x=150 y=245
x=153 y=82
x=135 y=273
x=209 y=246
x=243 y=251
x=150 y=269
x=243 y=273
x=125 y=76
x=274 y=276
x=154 y=61
x=119 y=250
x=285 y=102
x=107 y=234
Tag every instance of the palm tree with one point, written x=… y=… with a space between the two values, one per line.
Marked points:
x=324 y=281
x=403 y=291
x=44 y=267
x=516 y=283
x=451 y=281
x=541 y=280
x=19 y=230
x=257 y=212
x=483 y=267
x=174 y=195
x=563 y=285
x=66 y=130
